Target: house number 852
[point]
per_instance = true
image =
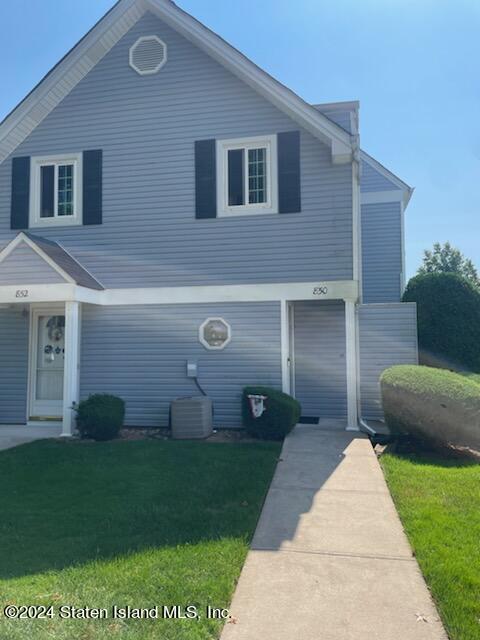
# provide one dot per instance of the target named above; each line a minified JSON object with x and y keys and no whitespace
{"x":21,"y":293}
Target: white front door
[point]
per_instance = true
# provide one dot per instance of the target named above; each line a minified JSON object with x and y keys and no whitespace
{"x":47,"y":357}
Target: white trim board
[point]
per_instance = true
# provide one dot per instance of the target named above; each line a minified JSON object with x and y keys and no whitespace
{"x":285,"y":345}
{"x":268,"y":292}
{"x":377,"y":197}
{"x":351,"y":341}
{"x":356,"y":225}
{"x":58,"y":83}
{"x":64,"y":76}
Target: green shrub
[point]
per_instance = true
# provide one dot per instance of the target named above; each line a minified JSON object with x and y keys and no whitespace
{"x":282,"y":412}
{"x":432,"y":404}
{"x":100,"y":416}
{"x":448,"y":311}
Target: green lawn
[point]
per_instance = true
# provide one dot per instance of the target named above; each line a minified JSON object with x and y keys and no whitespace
{"x":140,"y":523}
{"x":473,"y":376}
{"x":439,"y":503}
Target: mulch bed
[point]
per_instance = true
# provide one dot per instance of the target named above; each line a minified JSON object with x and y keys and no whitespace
{"x":407,"y":445}
{"x":219,"y":435}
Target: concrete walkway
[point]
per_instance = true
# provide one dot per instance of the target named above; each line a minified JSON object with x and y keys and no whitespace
{"x":12,"y":436}
{"x":329,"y":559}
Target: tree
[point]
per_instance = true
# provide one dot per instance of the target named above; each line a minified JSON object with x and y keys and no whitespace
{"x":448,"y":259}
{"x":448,"y":319}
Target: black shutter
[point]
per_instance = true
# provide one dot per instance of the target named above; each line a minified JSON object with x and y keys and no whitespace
{"x":92,"y":187}
{"x":289,"y":197}
{"x":205,"y":179}
{"x":20,"y":199}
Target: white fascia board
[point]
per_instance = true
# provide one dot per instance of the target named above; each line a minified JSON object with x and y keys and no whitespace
{"x":26,"y":293}
{"x":279,"y":95}
{"x":58,"y":82}
{"x":270,"y":292}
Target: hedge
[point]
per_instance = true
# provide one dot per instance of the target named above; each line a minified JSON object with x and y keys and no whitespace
{"x":432,"y":404}
{"x":448,"y":312}
{"x":100,"y":416}
{"x":282,"y":412}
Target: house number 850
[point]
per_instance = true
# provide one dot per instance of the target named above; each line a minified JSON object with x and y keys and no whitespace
{"x":320,"y":291}
{"x":21,"y":293}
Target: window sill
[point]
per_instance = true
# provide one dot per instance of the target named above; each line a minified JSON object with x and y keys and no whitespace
{"x":55,"y":222}
{"x":246,"y":211}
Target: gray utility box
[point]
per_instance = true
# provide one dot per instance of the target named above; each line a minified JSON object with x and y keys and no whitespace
{"x":191,"y":418}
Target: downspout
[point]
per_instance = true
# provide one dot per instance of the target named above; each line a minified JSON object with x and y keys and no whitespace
{"x":362,"y":423}
{"x":363,"y":426}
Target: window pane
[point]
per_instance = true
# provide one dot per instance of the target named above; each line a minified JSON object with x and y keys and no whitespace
{"x":65,"y":190}
{"x":235,"y":177}
{"x":47,"y":179}
{"x":257,"y":176}
{"x":215,"y":333}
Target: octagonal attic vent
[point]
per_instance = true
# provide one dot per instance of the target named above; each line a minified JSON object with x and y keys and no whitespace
{"x":148,"y":55}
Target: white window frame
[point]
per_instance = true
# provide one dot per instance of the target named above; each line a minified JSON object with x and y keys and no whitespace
{"x":222,"y":149}
{"x":206,"y":344}
{"x":56,"y":221}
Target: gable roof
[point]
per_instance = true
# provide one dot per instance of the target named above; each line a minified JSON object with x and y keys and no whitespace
{"x":400,"y":184}
{"x":109,"y":30}
{"x":56,"y":257}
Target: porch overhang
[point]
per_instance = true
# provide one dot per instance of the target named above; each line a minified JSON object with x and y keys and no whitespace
{"x":26,"y":294}
{"x":263,"y":292}
{"x":28,"y":263}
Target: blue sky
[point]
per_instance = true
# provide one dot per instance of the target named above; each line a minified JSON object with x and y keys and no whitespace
{"x":413,"y":64}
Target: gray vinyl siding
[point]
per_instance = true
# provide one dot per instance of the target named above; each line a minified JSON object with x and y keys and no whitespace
{"x":24,"y":266}
{"x":13,"y":365}
{"x":388,"y":336}
{"x":320,"y":363}
{"x":342,"y":118}
{"x":382,"y":252}
{"x":373,"y":180}
{"x":140,"y":353}
{"x":146,"y":127}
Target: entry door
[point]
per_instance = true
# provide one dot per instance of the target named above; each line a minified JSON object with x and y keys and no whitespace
{"x":47,"y":364}
{"x":319,"y":357}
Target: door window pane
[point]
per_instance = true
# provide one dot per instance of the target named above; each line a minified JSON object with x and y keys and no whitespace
{"x":50,"y":357}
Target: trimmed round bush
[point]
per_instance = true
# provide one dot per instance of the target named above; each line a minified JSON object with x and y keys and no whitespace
{"x":448,"y":312}
{"x":432,"y":404}
{"x":282,"y":412}
{"x":100,"y":416}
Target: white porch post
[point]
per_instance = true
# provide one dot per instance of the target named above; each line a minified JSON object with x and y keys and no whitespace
{"x":285,"y":346}
{"x":71,"y":380}
{"x":351,"y":357}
